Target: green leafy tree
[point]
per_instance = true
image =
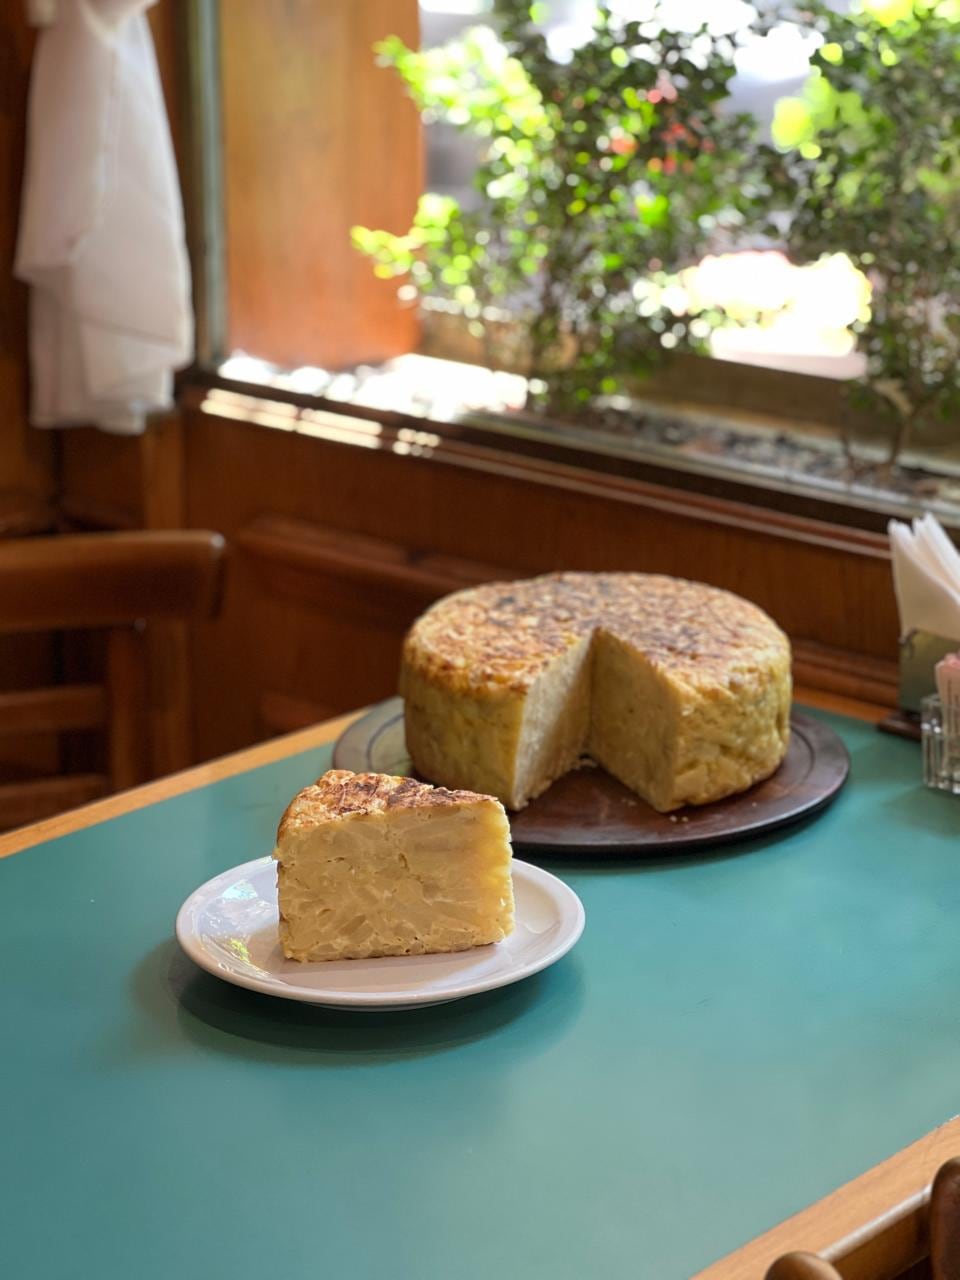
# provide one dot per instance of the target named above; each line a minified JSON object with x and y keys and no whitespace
{"x":874,"y":170}
{"x":600,"y":179}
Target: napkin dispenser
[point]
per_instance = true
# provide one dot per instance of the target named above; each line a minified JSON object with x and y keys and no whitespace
{"x":920,"y":651}
{"x":926,"y":580}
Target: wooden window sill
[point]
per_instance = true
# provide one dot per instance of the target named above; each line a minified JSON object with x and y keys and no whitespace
{"x":398,"y":431}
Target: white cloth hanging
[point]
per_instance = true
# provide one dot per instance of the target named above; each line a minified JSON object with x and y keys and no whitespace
{"x":101,"y":238}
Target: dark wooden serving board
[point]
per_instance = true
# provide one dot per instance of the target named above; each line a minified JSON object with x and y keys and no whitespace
{"x":589,"y":812}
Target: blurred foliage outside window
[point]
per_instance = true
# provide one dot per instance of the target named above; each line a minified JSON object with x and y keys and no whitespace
{"x":617,"y":191}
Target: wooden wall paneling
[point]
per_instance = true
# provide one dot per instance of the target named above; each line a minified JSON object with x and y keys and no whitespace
{"x":170,"y":691}
{"x":317,"y":138}
{"x":124,"y":482}
{"x":271,"y":657}
{"x":165,"y":17}
{"x":101,"y":479}
{"x":836,"y":589}
{"x":162,"y":498}
{"x":338,"y":588}
{"x":337,"y":548}
{"x":27,"y":662}
{"x":43,"y":797}
{"x":27,"y":456}
{"x":281,"y":713}
{"x":128,"y":751}
{"x":309,"y":553}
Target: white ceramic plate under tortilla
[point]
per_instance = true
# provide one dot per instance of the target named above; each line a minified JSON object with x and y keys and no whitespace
{"x":229,"y":927}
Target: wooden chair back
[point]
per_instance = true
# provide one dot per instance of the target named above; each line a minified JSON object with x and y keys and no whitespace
{"x":802,"y":1266}
{"x":876,"y":1253}
{"x":945,"y":1222}
{"x":136,"y":588}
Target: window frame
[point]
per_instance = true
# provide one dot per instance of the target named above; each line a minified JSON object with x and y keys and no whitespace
{"x":760,"y":395}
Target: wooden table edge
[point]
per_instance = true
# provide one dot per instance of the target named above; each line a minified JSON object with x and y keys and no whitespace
{"x":883,"y":1206}
{"x":175,"y":784}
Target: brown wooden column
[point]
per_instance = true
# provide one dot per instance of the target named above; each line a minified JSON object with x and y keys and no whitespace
{"x":318,"y":138}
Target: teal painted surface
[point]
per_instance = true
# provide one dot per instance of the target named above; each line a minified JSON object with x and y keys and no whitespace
{"x":732,"y":1038}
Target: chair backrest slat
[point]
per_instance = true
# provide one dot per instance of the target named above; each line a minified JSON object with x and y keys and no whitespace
{"x":103,"y":580}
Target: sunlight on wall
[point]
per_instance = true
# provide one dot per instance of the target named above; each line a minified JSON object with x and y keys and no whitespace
{"x":336,"y":427}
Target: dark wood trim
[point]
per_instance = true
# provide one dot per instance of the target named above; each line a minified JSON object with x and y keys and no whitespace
{"x":303,"y":561}
{"x":127,"y":747}
{"x":874,"y":680}
{"x":366,"y":561}
{"x":460,"y":446}
{"x":587,"y":470}
{"x":162,"y":464}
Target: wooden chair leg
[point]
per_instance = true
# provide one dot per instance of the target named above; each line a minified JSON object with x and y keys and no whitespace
{"x":802,"y":1266}
{"x":945,"y":1222}
{"x":171,"y":735}
{"x":126,"y":700}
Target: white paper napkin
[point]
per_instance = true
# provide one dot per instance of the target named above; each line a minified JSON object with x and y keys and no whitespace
{"x":926,"y":577}
{"x":101,"y":237}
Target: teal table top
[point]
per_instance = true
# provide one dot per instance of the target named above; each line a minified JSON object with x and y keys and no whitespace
{"x":733,"y":1037}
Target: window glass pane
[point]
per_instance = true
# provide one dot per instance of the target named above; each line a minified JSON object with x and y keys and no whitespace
{"x":605,"y":201}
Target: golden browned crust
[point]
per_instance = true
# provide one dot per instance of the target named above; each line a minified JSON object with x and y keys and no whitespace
{"x":341,"y":794}
{"x":500,"y":636}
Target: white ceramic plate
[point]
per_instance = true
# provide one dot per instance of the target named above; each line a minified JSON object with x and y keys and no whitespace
{"x":229,"y":927}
